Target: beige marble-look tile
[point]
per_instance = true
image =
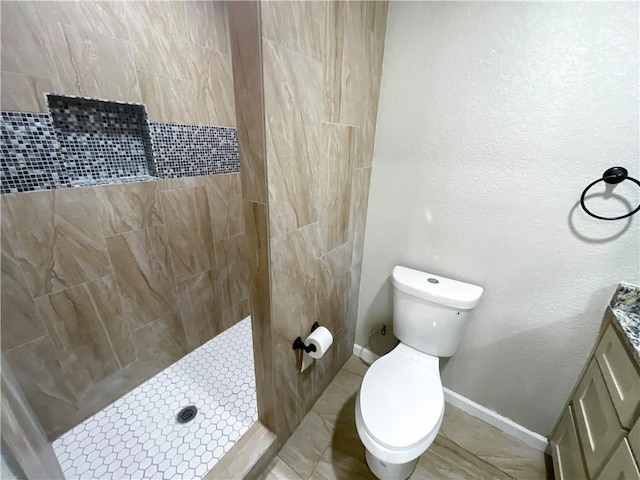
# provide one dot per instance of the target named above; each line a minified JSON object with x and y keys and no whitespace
{"x":212,"y":77}
{"x":306,"y":445}
{"x":24,"y":93}
{"x":21,"y":322}
{"x":188,"y":223}
{"x":43,"y":380}
{"x":255,"y":216}
{"x":353,"y":294}
{"x":356,"y":366}
{"x":293,"y":285}
{"x":285,"y":385}
{"x":277,"y":469}
{"x":25,"y":41}
{"x":295,"y":25}
{"x":93,"y":65}
{"x":182,"y":182}
{"x":492,"y":445}
{"x":224,"y":193}
{"x":244,"y":27}
{"x":159,"y":36}
{"x":168,"y":99}
{"x":199,"y":304}
{"x":88,"y":328}
{"x":128,"y":206}
{"x":335,"y":465}
{"x":336,"y":107}
{"x":143,"y":272}
{"x":162,"y":340}
{"x":331,"y":291}
{"x":56,"y":237}
{"x":336,"y":174}
{"x":446,"y":459}
{"x":207,"y":25}
{"x":231,"y":264}
{"x":103,"y":18}
{"x":358,"y":213}
{"x":293,"y":103}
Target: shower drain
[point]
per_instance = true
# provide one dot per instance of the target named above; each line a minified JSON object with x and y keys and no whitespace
{"x":187,"y":414}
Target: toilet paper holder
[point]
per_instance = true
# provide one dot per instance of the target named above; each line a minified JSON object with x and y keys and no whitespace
{"x":299,"y":344}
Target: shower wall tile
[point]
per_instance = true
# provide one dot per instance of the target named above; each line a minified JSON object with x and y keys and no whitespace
{"x":128,"y":207}
{"x":358,"y":213}
{"x":56,"y":238}
{"x":93,"y":65}
{"x":154,"y":52}
{"x":232,"y":270}
{"x":244,"y":27}
{"x":225,"y":205}
{"x":88,"y":328}
{"x":21,"y":322}
{"x":293,"y":284}
{"x":144,"y":274}
{"x":293,"y":100}
{"x":211,"y":74}
{"x":188,"y":224}
{"x":282,"y":23}
{"x":332,"y":288}
{"x":207,"y":25}
{"x":163,"y":339}
{"x":25,"y":41}
{"x":200,"y":308}
{"x":335,"y":184}
{"x":23,"y":92}
{"x":256,"y":225}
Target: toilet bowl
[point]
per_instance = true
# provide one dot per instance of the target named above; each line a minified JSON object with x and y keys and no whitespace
{"x":399,"y":410}
{"x":400,"y":405}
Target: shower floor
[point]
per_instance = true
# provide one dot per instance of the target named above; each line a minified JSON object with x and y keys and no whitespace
{"x":138,"y":436}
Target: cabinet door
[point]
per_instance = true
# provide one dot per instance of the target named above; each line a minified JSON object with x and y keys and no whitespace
{"x":596,"y":419}
{"x":620,"y":375}
{"x":634,"y":440}
{"x":565,"y":450}
{"x":621,"y":465}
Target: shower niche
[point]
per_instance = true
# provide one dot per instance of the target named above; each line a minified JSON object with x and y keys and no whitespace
{"x":102,"y":141}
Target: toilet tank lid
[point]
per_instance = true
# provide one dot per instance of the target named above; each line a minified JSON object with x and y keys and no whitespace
{"x":434,"y":288}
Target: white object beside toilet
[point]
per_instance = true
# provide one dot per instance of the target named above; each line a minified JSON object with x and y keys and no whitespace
{"x":400,"y":404}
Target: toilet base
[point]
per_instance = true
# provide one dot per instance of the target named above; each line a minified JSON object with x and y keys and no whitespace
{"x":390,"y":471}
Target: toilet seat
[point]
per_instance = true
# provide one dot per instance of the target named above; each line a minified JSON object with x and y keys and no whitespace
{"x":400,"y":404}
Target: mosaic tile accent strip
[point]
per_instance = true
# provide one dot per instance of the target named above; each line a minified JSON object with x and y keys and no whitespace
{"x":29,"y":153}
{"x":101,"y":140}
{"x":189,"y":150}
{"x":138,"y":435}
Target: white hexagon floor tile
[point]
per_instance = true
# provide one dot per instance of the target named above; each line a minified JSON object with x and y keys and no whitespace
{"x":138,"y":435}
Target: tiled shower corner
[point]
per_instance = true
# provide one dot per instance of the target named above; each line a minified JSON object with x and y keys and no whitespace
{"x":138,"y":436}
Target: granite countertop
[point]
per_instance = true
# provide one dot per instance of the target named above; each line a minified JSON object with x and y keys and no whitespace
{"x":625,"y":306}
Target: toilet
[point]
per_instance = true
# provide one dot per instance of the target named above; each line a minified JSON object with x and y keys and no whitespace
{"x":400,"y":404}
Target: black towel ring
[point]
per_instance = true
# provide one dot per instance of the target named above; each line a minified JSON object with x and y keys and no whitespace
{"x":611,"y":176}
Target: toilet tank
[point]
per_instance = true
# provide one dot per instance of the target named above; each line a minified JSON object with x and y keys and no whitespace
{"x":431,"y":313}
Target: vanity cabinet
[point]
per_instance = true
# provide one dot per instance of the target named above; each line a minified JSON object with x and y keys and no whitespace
{"x":598,"y":434}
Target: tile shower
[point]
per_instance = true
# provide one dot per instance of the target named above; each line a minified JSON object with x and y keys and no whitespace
{"x":123,"y":246}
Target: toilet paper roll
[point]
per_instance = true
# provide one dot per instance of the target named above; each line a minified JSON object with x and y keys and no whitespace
{"x":321,"y":337}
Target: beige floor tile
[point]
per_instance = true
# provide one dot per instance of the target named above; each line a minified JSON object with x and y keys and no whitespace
{"x":493,"y":445}
{"x":306,"y":445}
{"x":279,"y":470}
{"x":341,"y":390}
{"x":446,"y":459}
{"x":356,"y":366}
{"x":335,"y":465}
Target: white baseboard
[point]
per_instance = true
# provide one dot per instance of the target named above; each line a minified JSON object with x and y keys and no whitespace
{"x":505,"y":424}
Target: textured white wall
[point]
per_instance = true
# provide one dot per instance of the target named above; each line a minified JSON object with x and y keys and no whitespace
{"x":493,"y":118}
